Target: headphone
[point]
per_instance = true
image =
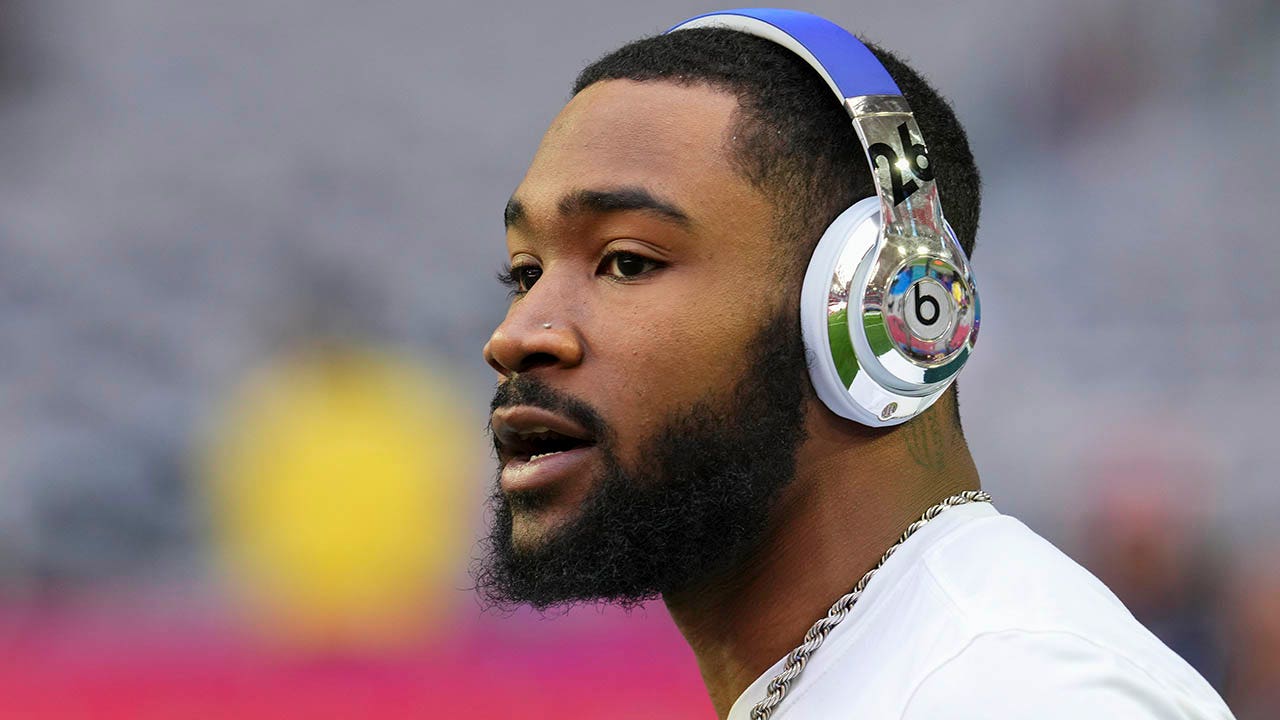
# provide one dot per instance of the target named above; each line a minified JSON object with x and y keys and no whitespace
{"x":889,"y":309}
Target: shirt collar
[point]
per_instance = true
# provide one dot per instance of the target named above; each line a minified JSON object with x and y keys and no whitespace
{"x":893,"y":570}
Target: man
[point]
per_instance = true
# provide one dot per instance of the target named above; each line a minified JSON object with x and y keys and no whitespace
{"x":657,"y":432}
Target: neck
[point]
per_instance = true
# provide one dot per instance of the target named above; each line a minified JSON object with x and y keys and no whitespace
{"x":854,"y":493}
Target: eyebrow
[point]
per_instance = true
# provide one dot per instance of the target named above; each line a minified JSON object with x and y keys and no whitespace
{"x":514,"y":214}
{"x":580,"y":202}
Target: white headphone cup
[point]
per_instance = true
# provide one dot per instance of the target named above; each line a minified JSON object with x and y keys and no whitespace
{"x":844,"y":246}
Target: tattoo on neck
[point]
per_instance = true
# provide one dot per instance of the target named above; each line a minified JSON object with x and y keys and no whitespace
{"x":927,"y":440}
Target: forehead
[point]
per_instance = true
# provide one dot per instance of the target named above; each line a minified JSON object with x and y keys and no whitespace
{"x":673,"y":141}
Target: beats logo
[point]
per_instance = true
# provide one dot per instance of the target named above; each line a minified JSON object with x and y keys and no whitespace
{"x":929,"y":309}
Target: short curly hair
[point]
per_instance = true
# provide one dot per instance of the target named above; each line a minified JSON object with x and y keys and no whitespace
{"x":800,"y":147}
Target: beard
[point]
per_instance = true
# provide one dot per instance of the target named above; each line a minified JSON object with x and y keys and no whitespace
{"x":694,"y":508}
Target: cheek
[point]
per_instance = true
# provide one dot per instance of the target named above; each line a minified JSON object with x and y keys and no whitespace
{"x":669,"y":346}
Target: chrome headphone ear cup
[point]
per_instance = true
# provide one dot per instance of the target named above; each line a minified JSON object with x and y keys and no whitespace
{"x":835,"y":336}
{"x":846,"y":244}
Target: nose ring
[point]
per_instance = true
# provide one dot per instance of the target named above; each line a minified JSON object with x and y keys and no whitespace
{"x":546,"y":326}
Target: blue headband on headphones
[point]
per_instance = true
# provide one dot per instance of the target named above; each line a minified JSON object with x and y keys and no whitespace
{"x":842,"y":60}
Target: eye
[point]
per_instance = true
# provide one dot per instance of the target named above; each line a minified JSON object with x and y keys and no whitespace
{"x":623,"y":265}
{"x":520,"y":278}
{"x":526,"y":276}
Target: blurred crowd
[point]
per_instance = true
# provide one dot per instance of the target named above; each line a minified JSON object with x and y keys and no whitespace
{"x":1145,"y":531}
{"x":236,"y":236}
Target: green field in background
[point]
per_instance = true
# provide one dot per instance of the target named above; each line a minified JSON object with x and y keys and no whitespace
{"x":842,"y":346}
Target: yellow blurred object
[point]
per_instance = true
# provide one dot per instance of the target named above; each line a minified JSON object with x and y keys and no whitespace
{"x":337,"y":486}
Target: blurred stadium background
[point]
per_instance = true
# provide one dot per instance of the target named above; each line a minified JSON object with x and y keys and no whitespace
{"x":246,"y":261}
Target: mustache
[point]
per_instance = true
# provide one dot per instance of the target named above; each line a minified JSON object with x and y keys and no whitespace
{"x":525,"y":390}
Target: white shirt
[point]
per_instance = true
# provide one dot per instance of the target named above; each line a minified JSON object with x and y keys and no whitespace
{"x":977,"y":617}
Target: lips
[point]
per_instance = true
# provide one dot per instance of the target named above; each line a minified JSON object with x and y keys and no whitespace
{"x":526,"y":434}
{"x":540,"y":450}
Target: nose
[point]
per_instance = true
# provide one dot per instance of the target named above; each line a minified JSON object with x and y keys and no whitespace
{"x":534,"y":334}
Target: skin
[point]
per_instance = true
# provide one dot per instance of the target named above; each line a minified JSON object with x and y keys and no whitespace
{"x":641,"y":348}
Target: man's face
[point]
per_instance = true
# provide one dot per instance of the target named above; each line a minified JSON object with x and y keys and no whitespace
{"x":648,"y":337}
